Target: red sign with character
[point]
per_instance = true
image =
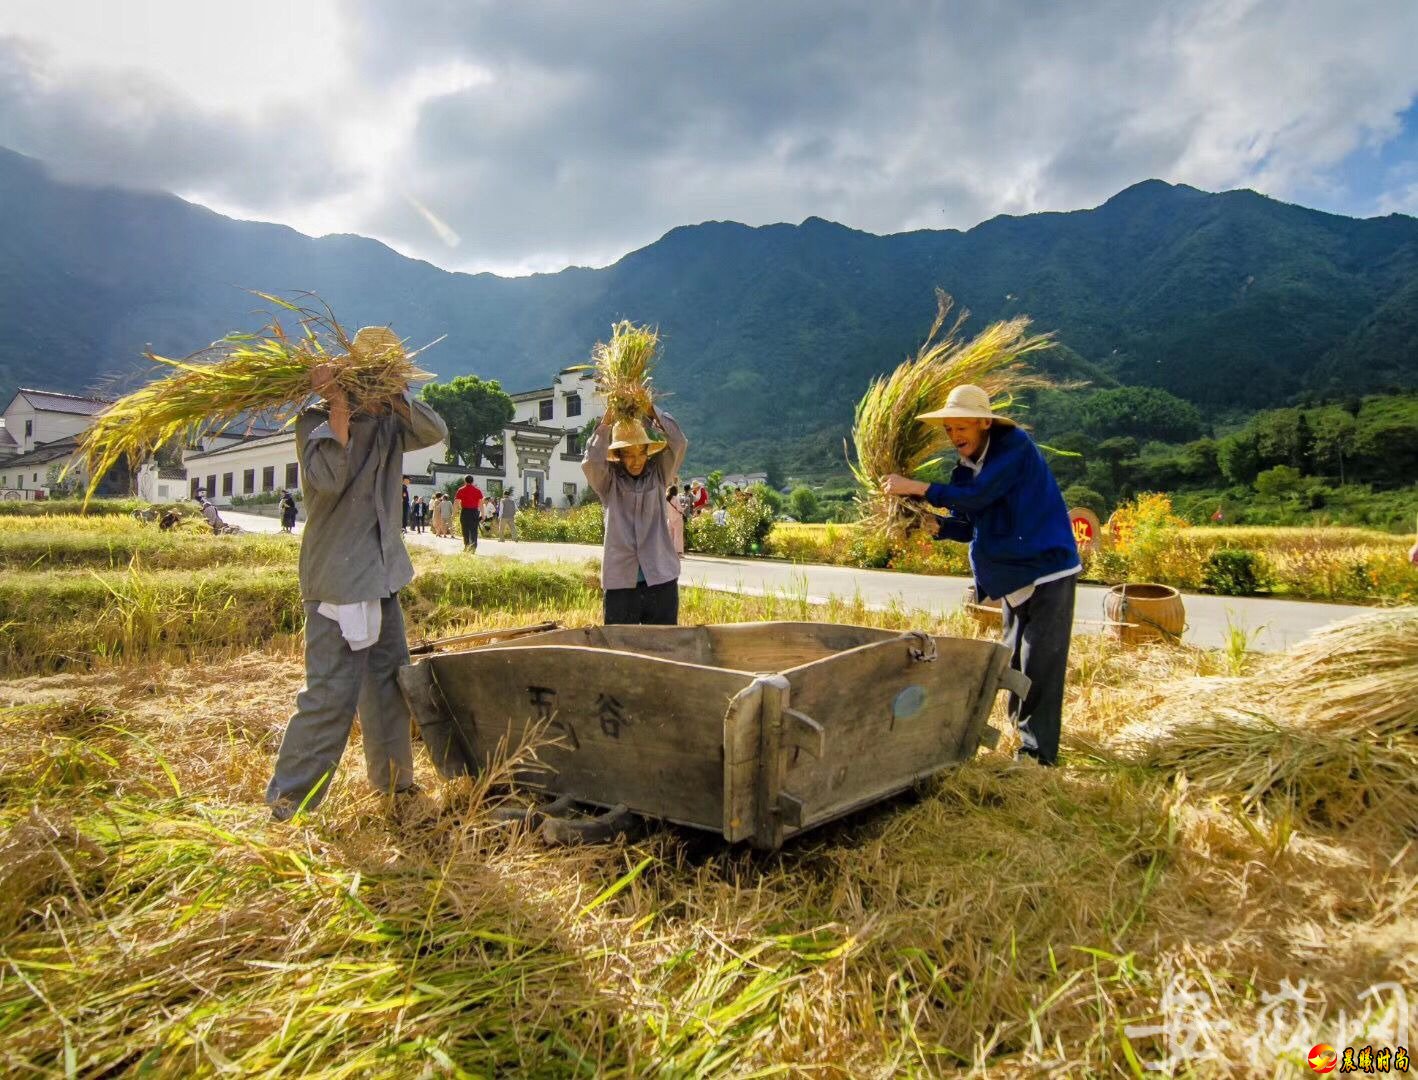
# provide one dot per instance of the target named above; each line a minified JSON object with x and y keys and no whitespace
{"x":1087,"y":530}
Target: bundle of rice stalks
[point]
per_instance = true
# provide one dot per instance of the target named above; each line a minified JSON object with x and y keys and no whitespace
{"x":889,"y":438}
{"x":622,"y":366}
{"x":246,"y":379}
{"x":1330,"y":728}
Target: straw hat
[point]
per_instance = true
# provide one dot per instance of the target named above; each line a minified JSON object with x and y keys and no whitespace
{"x":966,"y":402}
{"x":374,"y":341}
{"x":627,"y":433}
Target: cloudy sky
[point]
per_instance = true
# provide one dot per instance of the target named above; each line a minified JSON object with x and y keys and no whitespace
{"x":532,"y":134}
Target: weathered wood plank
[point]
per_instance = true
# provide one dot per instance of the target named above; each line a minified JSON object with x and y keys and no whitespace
{"x":742,"y":725}
{"x":777,"y":646}
{"x":887,"y":720}
{"x":768,"y":815}
{"x":688,"y":644}
{"x":633,"y":729}
{"x":451,"y":753}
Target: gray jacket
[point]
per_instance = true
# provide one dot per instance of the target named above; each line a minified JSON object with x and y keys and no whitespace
{"x":352,"y":549}
{"x":637,"y":535}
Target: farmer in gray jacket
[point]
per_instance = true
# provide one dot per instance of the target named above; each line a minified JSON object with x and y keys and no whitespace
{"x":352,"y":566}
{"x":630,"y":472}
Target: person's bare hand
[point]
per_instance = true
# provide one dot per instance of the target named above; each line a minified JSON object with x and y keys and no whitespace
{"x":896,"y":484}
{"x":321,"y":376}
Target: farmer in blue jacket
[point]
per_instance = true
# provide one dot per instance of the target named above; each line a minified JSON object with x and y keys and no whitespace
{"x":1005,"y":502}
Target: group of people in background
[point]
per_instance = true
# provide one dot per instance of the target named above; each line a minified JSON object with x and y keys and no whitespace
{"x":473,"y":510}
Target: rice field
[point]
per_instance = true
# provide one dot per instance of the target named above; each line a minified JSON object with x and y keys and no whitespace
{"x":1218,"y":878}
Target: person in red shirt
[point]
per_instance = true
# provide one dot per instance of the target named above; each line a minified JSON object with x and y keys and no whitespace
{"x":470,"y":503}
{"x":701,"y":499}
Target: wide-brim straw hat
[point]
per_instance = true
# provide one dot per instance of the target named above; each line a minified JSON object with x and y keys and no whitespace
{"x":627,"y":433}
{"x":375,"y":341}
{"x":966,"y":402}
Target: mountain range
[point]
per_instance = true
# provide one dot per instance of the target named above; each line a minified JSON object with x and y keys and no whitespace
{"x":1233,"y":301}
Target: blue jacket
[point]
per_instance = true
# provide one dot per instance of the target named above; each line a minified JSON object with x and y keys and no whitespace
{"x":1013,"y":515}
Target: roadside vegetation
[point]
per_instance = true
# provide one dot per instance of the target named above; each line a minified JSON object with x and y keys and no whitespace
{"x":1157,"y":544}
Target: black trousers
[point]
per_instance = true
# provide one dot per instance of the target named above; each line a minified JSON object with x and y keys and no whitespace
{"x":469,"y":520}
{"x":644,"y":605}
{"x":1038,"y":632}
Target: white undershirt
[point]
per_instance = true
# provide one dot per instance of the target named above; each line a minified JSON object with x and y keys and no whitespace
{"x":360,"y":622}
{"x":1020,"y":595}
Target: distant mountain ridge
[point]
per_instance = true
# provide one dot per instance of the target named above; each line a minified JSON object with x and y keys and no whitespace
{"x":1229,"y":300}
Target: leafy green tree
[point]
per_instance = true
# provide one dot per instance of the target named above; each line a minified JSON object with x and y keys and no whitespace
{"x":1239,"y":456}
{"x":1080,"y":495}
{"x":772,"y":496}
{"x":774,"y":468}
{"x":803,"y":503}
{"x":1198,"y":461}
{"x":1144,"y":412}
{"x":1115,"y":452}
{"x":1302,"y":453}
{"x":475,"y":411}
{"x":1333,"y":435}
{"x":1099,"y":476}
{"x":1070,"y":460}
{"x":1282,"y":437}
{"x":1278,"y":482}
{"x":1387,"y":450}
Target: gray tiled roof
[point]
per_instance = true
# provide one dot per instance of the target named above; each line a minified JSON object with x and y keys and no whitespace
{"x":52,"y":401}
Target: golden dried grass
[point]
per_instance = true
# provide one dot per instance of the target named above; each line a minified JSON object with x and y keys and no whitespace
{"x":1330,"y":729}
{"x":623,"y":367}
{"x":887,"y":434}
{"x":1004,"y":922}
{"x":246,"y":379}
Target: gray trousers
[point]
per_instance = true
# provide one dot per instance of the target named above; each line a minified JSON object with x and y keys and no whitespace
{"x":1038,"y":633}
{"x":338,"y":681}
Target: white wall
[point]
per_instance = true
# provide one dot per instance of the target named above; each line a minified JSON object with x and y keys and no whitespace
{"x":45,"y":426}
{"x":278,"y":452}
{"x":577,"y":383}
{"x":559,"y":472}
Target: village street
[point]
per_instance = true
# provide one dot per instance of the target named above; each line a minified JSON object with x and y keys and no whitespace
{"x":1273,"y":624}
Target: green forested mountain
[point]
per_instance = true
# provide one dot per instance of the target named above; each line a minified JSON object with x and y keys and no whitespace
{"x":1231,"y":301}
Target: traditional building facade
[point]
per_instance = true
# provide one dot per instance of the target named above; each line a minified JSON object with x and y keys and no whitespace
{"x":39,"y":434}
{"x":540,"y":455}
{"x":542,"y":447}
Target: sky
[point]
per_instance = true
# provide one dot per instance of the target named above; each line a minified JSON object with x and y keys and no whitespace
{"x":529,"y":135}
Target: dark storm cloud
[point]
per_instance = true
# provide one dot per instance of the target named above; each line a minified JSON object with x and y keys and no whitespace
{"x":600,"y":128}
{"x":549,"y":131}
{"x":129,"y":128}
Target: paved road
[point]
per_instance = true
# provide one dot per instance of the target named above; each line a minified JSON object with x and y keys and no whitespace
{"x":1274,"y":624}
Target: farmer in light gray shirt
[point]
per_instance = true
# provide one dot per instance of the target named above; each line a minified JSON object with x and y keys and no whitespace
{"x":352,"y":566}
{"x":631,"y":472}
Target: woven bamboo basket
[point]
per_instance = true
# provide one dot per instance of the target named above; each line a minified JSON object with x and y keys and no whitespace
{"x":1140,"y":613}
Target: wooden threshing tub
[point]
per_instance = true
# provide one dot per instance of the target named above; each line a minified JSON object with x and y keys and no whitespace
{"x":756,"y":731}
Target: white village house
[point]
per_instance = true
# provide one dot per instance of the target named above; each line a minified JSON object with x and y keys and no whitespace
{"x":38,"y":435}
{"x":540,"y":456}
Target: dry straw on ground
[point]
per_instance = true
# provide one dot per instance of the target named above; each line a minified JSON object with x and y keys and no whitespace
{"x":1002,"y":922}
{"x":623,"y":369}
{"x":245,"y":379}
{"x":888,"y":436}
{"x":1329,"y":730}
